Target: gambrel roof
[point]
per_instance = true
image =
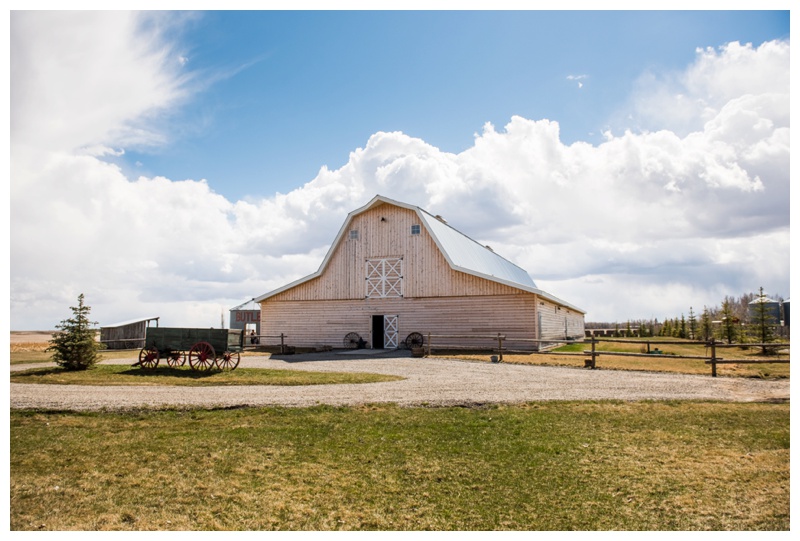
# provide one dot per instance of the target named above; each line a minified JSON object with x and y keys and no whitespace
{"x":461,"y":252}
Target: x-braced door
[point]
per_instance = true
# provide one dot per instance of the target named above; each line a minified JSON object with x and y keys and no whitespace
{"x":390,"y":332}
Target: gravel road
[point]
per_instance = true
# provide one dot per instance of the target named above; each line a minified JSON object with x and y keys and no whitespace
{"x":429,"y":381}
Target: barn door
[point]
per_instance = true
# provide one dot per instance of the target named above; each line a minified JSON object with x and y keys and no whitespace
{"x":390,"y":332}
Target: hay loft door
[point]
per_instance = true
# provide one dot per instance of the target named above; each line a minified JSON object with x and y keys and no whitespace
{"x":384,"y":332}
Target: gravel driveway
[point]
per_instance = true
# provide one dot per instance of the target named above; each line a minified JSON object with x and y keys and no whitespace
{"x":429,"y":381}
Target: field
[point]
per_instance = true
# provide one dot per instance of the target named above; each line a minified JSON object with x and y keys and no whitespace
{"x":539,"y":466}
{"x":548,"y":466}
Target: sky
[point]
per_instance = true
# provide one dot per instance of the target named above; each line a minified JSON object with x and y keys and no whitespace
{"x":177,"y":164}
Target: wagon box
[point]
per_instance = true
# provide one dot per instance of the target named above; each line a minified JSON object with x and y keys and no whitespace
{"x":203,"y":348}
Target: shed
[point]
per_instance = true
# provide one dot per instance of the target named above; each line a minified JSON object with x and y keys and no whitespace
{"x":394,"y":269}
{"x":126,"y":335}
{"x":246,"y":316}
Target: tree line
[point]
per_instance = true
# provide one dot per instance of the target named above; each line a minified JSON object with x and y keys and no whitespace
{"x":732,"y":321}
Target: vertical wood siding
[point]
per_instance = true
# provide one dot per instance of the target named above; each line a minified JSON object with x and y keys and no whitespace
{"x":426,"y":273}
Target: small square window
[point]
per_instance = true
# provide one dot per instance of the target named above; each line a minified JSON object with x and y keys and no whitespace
{"x":415,"y":229}
{"x":354,"y":234}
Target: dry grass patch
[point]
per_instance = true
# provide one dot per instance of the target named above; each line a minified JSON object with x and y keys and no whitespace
{"x":665,"y":362}
{"x":549,"y":466}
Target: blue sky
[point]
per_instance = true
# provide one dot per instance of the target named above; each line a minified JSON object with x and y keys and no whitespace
{"x":294,"y":91}
{"x":177,"y":164}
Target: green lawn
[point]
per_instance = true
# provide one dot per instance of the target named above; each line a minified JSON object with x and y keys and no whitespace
{"x":543,"y":466}
{"x":120,"y":374}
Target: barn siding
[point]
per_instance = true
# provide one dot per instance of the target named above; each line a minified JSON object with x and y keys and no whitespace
{"x":314,"y":323}
{"x":426,"y":272}
{"x":559,"y":322}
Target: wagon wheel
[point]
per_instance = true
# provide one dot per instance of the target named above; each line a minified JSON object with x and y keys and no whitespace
{"x":148,"y":358}
{"x":175,"y":359}
{"x":351,"y":340}
{"x":202,"y":356}
{"x":228,"y":361}
{"x":414,"y":340}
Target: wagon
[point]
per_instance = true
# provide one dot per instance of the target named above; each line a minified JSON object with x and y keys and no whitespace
{"x":203,"y":348}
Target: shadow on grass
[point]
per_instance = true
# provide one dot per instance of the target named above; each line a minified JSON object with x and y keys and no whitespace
{"x":166,"y":371}
{"x":159,"y":372}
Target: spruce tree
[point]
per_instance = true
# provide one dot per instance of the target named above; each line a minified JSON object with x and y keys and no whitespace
{"x":705,"y":325}
{"x":762,"y":322}
{"x":692,"y":324}
{"x":75,"y":348}
{"x":728,"y":325}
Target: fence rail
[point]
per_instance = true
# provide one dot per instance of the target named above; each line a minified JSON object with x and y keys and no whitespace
{"x":713,"y":360}
{"x":590,"y":356}
{"x":498,"y":343}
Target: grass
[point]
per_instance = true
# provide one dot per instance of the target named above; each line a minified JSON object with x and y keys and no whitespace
{"x":116,"y":374}
{"x":661,"y":363}
{"x":546,"y":466}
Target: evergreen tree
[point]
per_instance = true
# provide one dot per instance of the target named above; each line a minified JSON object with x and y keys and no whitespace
{"x":763,"y":323}
{"x":682,"y":328}
{"x":706,"y":328}
{"x":75,"y":348}
{"x":728,"y":324}
{"x":692,"y":324}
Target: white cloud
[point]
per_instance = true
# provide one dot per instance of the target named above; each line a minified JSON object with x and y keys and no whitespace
{"x":642,"y":224}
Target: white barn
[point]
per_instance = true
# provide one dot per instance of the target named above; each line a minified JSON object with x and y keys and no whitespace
{"x":395,"y":269}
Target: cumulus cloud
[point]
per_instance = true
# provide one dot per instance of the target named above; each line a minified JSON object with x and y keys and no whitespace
{"x":641,"y":225}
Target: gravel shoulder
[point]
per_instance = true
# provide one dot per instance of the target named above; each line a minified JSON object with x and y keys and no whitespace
{"x":428,"y":382}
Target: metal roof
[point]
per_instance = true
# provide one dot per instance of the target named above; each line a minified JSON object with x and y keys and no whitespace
{"x":467,"y":255}
{"x":132,"y":321}
{"x":246,"y":306}
{"x":461,"y":252}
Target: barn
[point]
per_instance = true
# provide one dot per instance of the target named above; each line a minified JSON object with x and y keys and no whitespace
{"x":395,"y":269}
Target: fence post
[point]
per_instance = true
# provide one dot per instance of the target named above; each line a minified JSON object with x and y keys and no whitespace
{"x":648,"y":346}
{"x":500,"y":346}
{"x":594,"y":355}
{"x":429,"y":344}
{"x":282,"y":350}
{"x":714,"y":357}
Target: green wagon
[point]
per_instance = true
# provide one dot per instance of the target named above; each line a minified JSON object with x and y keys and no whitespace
{"x":203,"y":348}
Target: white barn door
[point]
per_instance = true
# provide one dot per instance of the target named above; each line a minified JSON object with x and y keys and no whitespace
{"x":384,"y":278}
{"x":390,"y":332}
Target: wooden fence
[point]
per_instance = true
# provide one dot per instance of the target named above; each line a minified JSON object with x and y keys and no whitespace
{"x":498,"y":343}
{"x":713,"y":360}
{"x":590,"y":356}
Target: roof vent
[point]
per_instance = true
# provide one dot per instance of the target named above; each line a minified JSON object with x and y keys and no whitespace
{"x":439,"y":217}
{"x":489,"y":248}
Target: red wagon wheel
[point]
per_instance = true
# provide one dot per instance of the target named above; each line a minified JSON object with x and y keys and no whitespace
{"x":202,"y":356}
{"x":175,"y":359}
{"x":148,"y":358}
{"x":228,"y":361}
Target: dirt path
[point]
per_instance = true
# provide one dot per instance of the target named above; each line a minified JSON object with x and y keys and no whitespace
{"x":435,"y":382}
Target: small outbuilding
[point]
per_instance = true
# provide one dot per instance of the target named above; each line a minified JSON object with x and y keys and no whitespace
{"x":247,"y":316}
{"x":395,"y":269}
{"x":126,"y":335}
